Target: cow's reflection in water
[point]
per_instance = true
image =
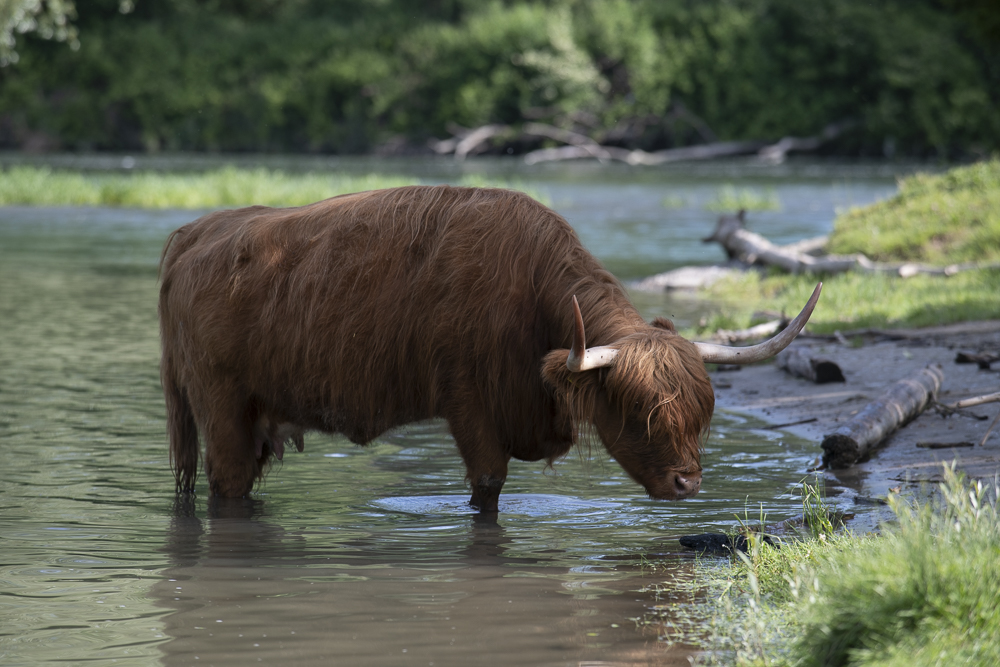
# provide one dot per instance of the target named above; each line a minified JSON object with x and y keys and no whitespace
{"x":243,"y":588}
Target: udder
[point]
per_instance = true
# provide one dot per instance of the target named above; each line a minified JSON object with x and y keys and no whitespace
{"x":274,"y":435}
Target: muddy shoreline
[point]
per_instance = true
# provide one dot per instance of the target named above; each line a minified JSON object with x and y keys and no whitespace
{"x":771,"y":394}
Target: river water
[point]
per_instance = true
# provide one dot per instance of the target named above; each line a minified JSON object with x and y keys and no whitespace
{"x":349,"y":555}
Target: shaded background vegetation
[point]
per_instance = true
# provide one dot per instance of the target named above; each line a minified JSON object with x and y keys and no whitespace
{"x":911,"y":77}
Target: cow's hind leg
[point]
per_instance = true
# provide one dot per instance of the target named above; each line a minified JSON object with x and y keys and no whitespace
{"x":181,"y":429}
{"x":231,"y":463}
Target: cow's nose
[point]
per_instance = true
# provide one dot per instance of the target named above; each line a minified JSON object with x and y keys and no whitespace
{"x":687,"y":485}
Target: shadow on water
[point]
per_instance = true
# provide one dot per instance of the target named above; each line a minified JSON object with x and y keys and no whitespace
{"x":240,"y":588}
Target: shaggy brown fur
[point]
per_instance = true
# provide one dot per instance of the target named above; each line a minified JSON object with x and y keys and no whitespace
{"x":371,"y":310}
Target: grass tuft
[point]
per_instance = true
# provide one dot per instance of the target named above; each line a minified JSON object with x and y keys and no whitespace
{"x":228,"y":187}
{"x":922,"y":593}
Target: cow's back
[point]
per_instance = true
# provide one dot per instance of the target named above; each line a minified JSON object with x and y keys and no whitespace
{"x":370,"y":310}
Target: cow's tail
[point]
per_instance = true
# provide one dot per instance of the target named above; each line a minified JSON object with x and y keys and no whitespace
{"x":181,"y":429}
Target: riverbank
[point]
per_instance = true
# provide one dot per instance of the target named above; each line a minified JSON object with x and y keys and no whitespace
{"x":921,"y":593}
{"x":901,"y":582}
{"x":913,"y":595}
{"x":870,"y":366}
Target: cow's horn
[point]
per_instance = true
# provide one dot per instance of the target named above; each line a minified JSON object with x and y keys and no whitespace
{"x":723,"y":354}
{"x":580,"y":358}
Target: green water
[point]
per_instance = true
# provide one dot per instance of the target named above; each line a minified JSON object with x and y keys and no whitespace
{"x":346,"y":555}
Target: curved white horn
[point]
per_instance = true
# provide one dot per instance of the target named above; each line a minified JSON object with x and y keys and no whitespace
{"x":580,"y":358}
{"x":723,"y":354}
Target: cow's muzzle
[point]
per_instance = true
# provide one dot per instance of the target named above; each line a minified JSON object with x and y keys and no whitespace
{"x":677,"y":486}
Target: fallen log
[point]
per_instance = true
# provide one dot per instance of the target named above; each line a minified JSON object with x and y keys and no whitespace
{"x":814,"y":246}
{"x":881,"y":418}
{"x":577,"y":152}
{"x":699,"y":152}
{"x":477,"y":137}
{"x":815,"y":369}
{"x":559,"y":134}
{"x":776,"y":153}
{"x":750,"y":248}
{"x":466,"y":141}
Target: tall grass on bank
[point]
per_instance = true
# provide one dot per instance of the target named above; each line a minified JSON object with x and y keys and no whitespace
{"x":943,"y":219}
{"x":227,"y":187}
{"x":222,"y":188}
{"x":922,"y":593}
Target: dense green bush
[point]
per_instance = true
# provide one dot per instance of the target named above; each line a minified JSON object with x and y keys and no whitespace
{"x":919,"y":77}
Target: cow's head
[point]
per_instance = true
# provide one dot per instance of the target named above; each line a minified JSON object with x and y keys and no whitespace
{"x":649,"y":398}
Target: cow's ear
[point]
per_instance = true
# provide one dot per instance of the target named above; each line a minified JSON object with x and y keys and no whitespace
{"x":576,"y":391}
{"x":664,"y":323}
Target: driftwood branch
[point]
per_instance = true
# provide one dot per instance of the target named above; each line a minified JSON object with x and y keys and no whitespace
{"x":640,"y":157}
{"x":777,"y":152}
{"x":579,"y":146}
{"x":750,"y":248}
{"x":476,"y":138}
{"x":993,"y":424}
{"x":975,"y":400}
{"x":879,"y":419}
{"x":577,"y":152}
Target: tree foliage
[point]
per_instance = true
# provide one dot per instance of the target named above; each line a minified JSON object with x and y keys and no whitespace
{"x":918,"y":77}
{"x":49,"y":19}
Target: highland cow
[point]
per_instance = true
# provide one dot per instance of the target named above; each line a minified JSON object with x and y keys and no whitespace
{"x":367,"y":311}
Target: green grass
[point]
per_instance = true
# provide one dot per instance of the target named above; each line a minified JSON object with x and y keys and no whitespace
{"x":939,"y":219}
{"x":858,"y":300}
{"x":921,"y":593}
{"x":222,"y":188}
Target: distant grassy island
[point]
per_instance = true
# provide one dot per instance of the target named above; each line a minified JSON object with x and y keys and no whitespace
{"x":228,"y":187}
{"x":221,"y":188}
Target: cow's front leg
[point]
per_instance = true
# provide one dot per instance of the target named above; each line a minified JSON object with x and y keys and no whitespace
{"x":486,"y":492}
{"x":485,"y":459}
{"x":230,"y":461}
